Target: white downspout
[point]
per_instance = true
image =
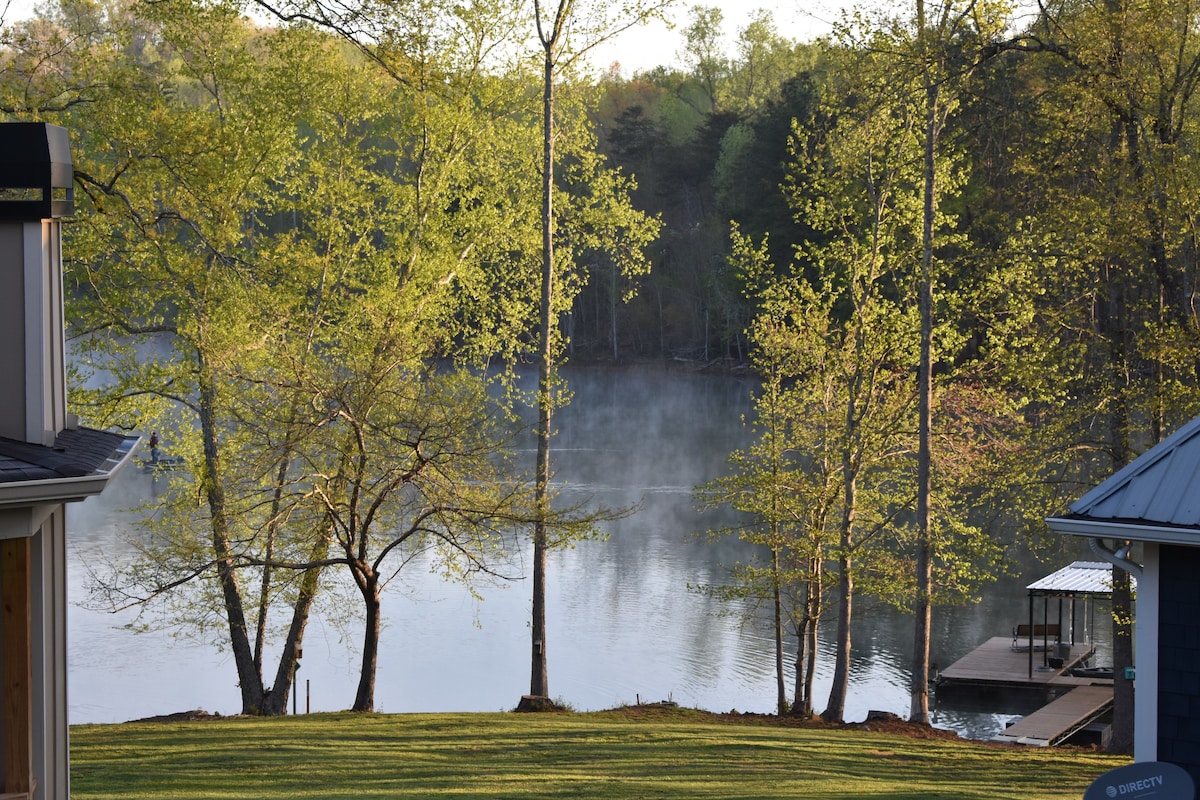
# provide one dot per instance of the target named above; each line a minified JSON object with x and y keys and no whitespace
{"x":1119,"y":557}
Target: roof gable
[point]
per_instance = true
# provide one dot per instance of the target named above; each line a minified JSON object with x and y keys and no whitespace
{"x":1156,"y":497}
{"x":1160,"y":487}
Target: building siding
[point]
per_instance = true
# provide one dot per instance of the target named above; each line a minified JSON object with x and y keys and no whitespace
{"x":1179,"y":659}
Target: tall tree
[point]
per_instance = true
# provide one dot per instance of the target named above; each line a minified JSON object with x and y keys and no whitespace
{"x":410,"y":469}
{"x":703,"y":54}
{"x":404,"y":457}
{"x":565,"y":30}
{"x":171,"y":183}
{"x":764,"y":61}
{"x":1120,"y":83}
{"x":948,"y":40}
{"x":853,"y":181}
{"x":245,"y":207}
{"x":786,"y":482}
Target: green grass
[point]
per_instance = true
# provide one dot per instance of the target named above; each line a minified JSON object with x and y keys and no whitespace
{"x":615,"y":754}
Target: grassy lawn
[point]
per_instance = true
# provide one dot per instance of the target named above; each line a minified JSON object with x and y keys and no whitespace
{"x":615,"y":754}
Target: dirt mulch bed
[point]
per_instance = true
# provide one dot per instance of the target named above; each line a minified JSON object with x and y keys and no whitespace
{"x":876,"y":722}
{"x":180,"y":716}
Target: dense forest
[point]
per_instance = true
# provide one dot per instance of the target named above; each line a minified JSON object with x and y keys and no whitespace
{"x":959,"y":248}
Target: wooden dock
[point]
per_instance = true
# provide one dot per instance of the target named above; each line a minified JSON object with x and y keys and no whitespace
{"x":1060,"y":719}
{"x":1074,"y":703}
{"x":996,"y":664}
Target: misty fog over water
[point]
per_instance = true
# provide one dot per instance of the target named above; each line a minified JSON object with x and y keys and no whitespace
{"x":623,"y":624}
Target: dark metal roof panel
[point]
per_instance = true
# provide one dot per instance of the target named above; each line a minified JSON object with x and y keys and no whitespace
{"x":1161,"y":487}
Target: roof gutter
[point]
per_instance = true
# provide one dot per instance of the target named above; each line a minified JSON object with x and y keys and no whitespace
{"x":68,"y":490}
{"x":1097,"y":531}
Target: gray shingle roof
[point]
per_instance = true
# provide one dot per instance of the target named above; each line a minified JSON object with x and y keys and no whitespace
{"x":76,"y":452}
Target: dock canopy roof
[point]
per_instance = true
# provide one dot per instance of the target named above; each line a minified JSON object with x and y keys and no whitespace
{"x":1079,"y":579}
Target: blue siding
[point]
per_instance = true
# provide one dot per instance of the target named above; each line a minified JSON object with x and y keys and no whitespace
{"x":1179,"y":658}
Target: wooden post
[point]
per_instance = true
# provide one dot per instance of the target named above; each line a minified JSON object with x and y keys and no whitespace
{"x":16,"y":662}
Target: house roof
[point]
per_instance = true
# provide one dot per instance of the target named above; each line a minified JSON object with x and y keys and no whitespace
{"x":77,"y":465}
{"x":1154,"y":498}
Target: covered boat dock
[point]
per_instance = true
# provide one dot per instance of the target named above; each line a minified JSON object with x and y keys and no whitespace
{"x":1046,"y":647}
{"x":1075,"y":587}
{"x":1048,"y":651}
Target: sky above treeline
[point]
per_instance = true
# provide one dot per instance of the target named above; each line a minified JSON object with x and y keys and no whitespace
{"x":657,"y":44}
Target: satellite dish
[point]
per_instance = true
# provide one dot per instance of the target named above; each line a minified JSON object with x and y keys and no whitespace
{"x":1144,"y":780}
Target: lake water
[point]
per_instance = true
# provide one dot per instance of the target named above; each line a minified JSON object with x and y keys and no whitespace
{"x":623,"y":624}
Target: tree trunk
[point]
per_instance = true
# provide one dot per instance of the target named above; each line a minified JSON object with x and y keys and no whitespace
{"x":276,"y":701}
{"x":249,"y":679}
{"x":814,"y":609}
{"x":264,"y":586}
{"x":539,"y":680}
{"x":612,"y":321}
{"x":539,"y":674}
{"x":810,"y":667}
{"x":835,"y":709}
{"x":1122,"y":638}
{"x":1115,"y":324}
{"x":364,"y":699}
{"x":801,"y":706}
{"x":806,"y":646}
{"x":781,"y":701}
{"x":922,"y":608}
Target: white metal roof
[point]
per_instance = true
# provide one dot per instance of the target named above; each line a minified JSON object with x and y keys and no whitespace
{"x":1154,"y":498}
{"x":1078,"y":578}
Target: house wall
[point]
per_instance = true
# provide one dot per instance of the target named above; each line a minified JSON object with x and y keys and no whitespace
{"x":33,"y":397}
{"x":13,"y":401}
{"x":49,"y":658}
{"x":1179,"y":657}
{"x":33,"y":658}
{"x":16,"y":715}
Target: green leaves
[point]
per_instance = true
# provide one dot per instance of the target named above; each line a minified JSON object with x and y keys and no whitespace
{"x":297,"y":252}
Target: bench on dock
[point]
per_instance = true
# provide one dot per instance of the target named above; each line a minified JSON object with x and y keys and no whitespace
{"x":1050,"y":632}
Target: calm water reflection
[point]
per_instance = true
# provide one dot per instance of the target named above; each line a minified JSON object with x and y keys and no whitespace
{"x":623,"y":624}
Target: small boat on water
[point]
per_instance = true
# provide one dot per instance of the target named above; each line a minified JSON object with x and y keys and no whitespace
{"x":161,"y":463}
{"x":1092,"y":672}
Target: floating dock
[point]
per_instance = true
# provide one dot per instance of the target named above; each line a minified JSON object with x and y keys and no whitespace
{"x":1074,"y":702}
{"x":1062,"y":718}
{"x":997,"y":664}
{"x":1040,"y":657}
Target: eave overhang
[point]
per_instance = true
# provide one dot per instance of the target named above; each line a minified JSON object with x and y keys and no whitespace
{"x":1135,"y":530}
{"x":72,"y":488}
